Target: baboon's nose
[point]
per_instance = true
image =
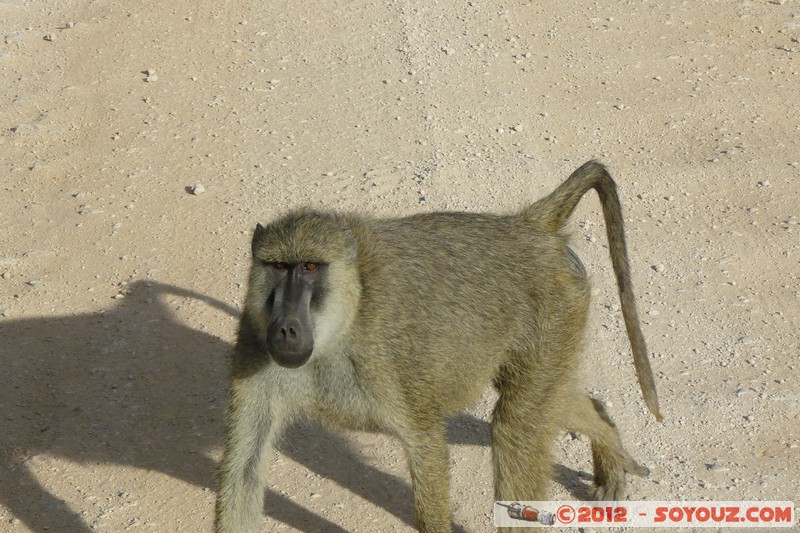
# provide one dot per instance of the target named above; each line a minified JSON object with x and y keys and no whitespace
{"x":290,"y":332}
{"x":289,"y":341}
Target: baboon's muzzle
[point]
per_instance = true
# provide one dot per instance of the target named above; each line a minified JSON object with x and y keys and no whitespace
{"x":289,"y":341}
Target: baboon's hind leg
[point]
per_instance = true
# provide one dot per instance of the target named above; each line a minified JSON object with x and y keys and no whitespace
{"x":523,"y":428}
{"x":428,"y":460}
{"x":610,"y":460}
{"x":522,"y":433}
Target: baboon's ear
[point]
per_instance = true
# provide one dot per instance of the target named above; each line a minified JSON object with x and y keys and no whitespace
{"x":259,"y":235}
{"x":352,"y":246}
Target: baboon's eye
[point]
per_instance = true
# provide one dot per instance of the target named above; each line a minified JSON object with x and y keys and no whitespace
{"x":310,"y":266}
{"x":280,"y":265}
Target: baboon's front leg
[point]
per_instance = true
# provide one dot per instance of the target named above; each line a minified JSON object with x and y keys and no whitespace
{"x":252,"y":427}
{"x":429,"y":462}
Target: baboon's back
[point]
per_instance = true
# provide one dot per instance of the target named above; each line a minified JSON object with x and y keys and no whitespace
{"x":473,"y":285}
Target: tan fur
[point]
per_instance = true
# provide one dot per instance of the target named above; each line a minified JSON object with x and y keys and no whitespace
{"x":419,"y":314}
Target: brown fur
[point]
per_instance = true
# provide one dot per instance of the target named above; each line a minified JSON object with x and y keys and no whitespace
{"x":418,"y":315}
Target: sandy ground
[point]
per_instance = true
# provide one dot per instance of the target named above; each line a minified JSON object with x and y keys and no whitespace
{"x":119,"y":288}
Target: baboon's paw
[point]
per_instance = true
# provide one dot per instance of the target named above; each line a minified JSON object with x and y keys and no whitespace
{"x":613,"y":487}
{"x":611,"y":491}
{"x":636,"y":469}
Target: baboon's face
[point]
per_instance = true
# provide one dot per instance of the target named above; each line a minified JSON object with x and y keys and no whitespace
{"x":296,"y":288}
{"x":303,"y":286}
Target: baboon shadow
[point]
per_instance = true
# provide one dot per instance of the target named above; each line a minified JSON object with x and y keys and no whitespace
{"x":131,"y":385}
{"x":134,"y":386}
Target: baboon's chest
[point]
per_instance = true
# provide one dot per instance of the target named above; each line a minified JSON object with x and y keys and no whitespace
{"x":341,"y":401}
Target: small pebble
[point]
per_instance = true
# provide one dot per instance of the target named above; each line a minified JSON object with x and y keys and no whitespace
{"x":198,"y":189}
{"x":659,"y":267}
{"x":49,"y":37}
{"x":716,"y":467}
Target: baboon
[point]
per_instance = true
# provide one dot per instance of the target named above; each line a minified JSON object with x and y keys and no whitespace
{"x":394,"y":324}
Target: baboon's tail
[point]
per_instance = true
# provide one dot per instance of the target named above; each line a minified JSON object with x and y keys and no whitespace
{"x":554,"y":210}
